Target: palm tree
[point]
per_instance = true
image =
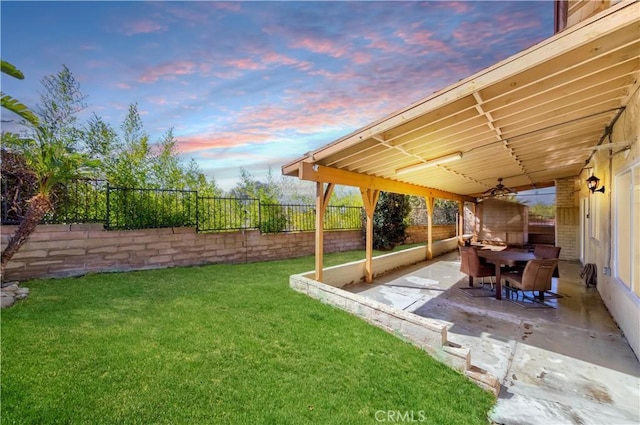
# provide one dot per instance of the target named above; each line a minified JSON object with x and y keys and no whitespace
{"x":12,"y":104}
{"x":50,"y":155}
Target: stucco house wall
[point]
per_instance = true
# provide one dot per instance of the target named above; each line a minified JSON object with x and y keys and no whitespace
{"x":598,"y":212}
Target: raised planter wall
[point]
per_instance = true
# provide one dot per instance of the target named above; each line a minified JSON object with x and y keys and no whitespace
{"x":344,"y":274}
{"x":72,"y":250}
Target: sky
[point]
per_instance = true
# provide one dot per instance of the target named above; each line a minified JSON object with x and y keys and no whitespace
{"x":255,"y":85}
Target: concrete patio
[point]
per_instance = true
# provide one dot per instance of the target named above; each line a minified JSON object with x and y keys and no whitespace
{"x":570,"y":364}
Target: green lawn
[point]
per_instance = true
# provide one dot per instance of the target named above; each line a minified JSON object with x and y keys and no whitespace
{"x":220,"y":344}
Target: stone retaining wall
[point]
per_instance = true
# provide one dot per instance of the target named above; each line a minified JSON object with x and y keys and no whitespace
{"x":72,"y":250}
{"x":59,"y":250}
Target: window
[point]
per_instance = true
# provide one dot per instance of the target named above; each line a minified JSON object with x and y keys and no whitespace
{"x":627,"y":227}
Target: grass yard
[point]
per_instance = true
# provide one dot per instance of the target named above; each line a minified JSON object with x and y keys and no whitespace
{"x":220,"y":344}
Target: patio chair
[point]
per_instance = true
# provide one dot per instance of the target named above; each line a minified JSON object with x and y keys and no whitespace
{"x":541,"y":251}
{"x":471,"y":265}
{"x":548,"y":252}
{"x":536,"y":276}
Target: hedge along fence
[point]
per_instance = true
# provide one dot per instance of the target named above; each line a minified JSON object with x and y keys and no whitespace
{"x":137,"y":208}
{"x":121,"y":208}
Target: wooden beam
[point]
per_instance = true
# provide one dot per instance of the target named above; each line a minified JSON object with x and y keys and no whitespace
{"x":320,"y":173}
{"x":460,"y":222}
{"x":474,"y":210}
{"x":370,"y":199}
{"x":322,"y":200}
{"x":430,"y":201}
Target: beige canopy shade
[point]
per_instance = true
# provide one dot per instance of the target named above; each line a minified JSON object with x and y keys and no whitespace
{"x":530,"y":119}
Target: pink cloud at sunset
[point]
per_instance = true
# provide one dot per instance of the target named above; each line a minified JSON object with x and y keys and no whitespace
{"x":145,"y":26}
{"x":245,"y":64}
{"x":205,"y":142}
{"x":260,"y":82}
{"x":168,"y":70}
{"x":425,"y":39}
{"x":458,"y":7}
{"x":280,"y":59}
{"x":123,"y":86}
{"x":325,"y":47}
{"x":478,"y":34}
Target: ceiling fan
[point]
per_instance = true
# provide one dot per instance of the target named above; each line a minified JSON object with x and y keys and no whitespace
{"x":498,"y":191}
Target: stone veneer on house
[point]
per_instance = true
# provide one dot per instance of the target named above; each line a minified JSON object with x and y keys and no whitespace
{"x":567,"y":218}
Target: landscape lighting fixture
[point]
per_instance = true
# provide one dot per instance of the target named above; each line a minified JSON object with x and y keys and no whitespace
{"x":592,"y":184}
{"x":429,"y":163}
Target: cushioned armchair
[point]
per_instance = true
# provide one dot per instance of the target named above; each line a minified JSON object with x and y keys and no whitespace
{"x":471,"y":265}
{"x":536,"y":276}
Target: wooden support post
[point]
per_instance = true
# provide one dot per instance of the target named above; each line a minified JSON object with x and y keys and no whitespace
{"x":430,"y":201}
{"x":322,"y":200}
{"x":474,"y":211}
{"x":370,"y":199}
{"x":460,"y":229}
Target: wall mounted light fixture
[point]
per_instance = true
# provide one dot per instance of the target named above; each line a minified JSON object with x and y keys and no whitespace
{"x":430,"y":163}
{"x":592,"y":184}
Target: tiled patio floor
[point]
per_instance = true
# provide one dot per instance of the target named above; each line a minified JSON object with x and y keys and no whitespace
{"x":570,"y":364}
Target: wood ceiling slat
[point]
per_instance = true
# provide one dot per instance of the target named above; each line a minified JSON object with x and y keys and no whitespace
{"x":625,"y":71}
{"x":468,"y":118}
{"x":353,"y":150}
{"x":380,"y":165}
{"x":583,"y":138}
{"x":557,"y":118}
{"x":432,"y":118}
{"x":584,"y":53}
{"x":567,"y":95}
{"x":563,"y":105}
{"x":571,"y":130}
{"x":463,"y":141}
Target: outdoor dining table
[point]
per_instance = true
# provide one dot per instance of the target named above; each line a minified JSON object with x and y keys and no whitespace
{"x":504,"y":258}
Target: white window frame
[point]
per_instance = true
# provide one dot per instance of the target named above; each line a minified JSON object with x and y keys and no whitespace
{"x":627,"y":196}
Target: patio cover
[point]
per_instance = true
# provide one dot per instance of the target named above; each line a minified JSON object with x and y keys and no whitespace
{"x":529,"y":119}
{"x":533,"y":118}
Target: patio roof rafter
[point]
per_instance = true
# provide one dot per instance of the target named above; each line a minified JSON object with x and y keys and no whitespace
{"x":530,"y":119}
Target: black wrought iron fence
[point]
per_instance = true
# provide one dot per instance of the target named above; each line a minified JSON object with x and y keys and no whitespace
{"x":119,"y":208}
{"x":299,"y":218}
{"x":128,"y":208}
{"x":95,"y":201}
{"x":80,"y":201}
{"x":76,"y":201}
{"x":222,"y":214}
{"x":342,"y":218}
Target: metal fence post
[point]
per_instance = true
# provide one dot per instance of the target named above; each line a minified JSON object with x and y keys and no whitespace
{"x":107,"y":218}
{"x":197,"y":212}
